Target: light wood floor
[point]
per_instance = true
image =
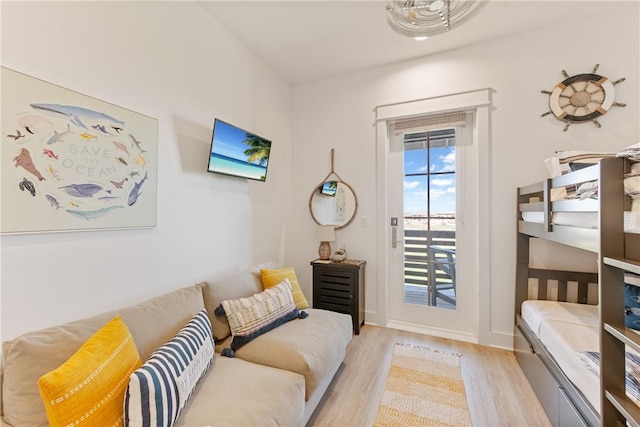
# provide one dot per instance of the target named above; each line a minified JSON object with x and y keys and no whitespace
{"x":497,"y":391}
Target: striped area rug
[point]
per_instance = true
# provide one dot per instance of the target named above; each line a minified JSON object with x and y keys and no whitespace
{"x":424,"y":388}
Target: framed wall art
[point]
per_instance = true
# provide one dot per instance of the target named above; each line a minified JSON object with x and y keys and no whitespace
{"x":73,"y":162}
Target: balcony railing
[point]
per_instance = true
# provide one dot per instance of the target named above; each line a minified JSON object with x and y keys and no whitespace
{"x":429,"y":268}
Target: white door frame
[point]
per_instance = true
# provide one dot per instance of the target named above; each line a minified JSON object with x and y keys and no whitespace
{"x":480,"y":102}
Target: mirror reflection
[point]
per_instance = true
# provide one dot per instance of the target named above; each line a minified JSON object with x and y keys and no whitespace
{"x":333,"y":203}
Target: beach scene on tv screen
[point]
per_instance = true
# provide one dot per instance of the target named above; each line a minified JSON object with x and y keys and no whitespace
{"x":240,"y":153}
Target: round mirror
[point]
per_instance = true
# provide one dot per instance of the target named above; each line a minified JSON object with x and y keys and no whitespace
{"x":333,"y":203}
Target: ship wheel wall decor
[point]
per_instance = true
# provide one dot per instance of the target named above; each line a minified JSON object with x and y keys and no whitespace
{"x":582,"y":98}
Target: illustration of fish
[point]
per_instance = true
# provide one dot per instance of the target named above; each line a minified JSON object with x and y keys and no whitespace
{"x":88,"y":215}
{"x":59,"y":136}
{"x":87,"y":136}
{"x":118,"y":184}
{"x":81,"y":190}
{"x":27,"y":185}
{"x":24,"y":159}
{"x":121,"y":146}
{"x":123,"y":161}
{"x":77,"y":114}
{"x":49,"y":153}
{"x":137,"y":143}
{"x":140,"y":161}
{"x":54,"y":203}
{"x":135,"y":191}
{"x":53,"y":172}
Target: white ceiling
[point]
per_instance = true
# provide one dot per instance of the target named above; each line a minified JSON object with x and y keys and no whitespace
{"x":304,"y":40}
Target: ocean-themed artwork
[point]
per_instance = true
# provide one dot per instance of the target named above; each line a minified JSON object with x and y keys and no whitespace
{"x":72,"y":162}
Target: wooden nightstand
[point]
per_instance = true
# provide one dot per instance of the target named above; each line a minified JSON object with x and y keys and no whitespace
{"x":339,"y":286}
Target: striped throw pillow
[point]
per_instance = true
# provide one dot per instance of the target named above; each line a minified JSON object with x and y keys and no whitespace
{"x":253,"y":316}
{"x":160,"y":388}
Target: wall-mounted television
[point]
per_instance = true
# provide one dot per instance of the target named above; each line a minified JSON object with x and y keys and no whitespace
{"x":236,"y":152}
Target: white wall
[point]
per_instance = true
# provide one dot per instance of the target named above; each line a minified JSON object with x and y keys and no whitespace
{"x":338,"y":113}
{"x":174,"y":62}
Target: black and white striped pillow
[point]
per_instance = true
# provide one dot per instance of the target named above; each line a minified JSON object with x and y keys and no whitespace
{"x":160,"y":388}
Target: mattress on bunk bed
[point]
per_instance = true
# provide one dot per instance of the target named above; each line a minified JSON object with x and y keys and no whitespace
{"x":566,"y":329}
{"x":586,"y":219}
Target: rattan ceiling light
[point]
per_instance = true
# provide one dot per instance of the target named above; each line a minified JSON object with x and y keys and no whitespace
{"x":427,"y":18}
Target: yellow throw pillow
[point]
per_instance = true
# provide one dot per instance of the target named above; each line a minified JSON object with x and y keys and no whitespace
{"x":88,"y":389}
{"x":271,"y":277}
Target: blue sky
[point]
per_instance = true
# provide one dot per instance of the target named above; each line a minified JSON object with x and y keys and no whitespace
{"x":229,"y":141}
{"x":443,"y":187}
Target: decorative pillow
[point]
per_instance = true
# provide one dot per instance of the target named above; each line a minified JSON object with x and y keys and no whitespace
{"x":631,"y":305}
{"x":271,"y":277}
{"x":89,"y":388}
{"x":159,"y":390}
{"x":239,"y":284}
{"x":251,"y":317}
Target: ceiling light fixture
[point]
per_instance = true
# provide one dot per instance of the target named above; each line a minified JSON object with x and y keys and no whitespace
{"x":426,"y":18}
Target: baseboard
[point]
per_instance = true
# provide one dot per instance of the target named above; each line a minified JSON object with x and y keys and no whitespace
{"x":435,"y":332}
{"x":501,"y":340}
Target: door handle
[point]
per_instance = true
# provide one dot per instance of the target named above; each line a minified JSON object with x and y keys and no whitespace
{"x":394,"y":235}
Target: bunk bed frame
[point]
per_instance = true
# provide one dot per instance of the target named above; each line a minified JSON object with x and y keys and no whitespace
{"x":617,"y":252}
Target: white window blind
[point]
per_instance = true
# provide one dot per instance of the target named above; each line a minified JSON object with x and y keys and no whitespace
{"x":425,"y":123}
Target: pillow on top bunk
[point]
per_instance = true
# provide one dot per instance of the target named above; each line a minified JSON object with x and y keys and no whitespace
{"x":631,"y":152}
{"x":568,"y":161}
{"x":632,"y":301}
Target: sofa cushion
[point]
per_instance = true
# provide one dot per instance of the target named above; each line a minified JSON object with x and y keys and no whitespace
{"x":271,"y":277}
{"x":238,"y":393}
{"x":28,"y":357}
{"x":240,"y":284}
{"x":255,"y":315}
{"x":88,"y":389}
{"x":159,"y":390}
{"x":309,"y":347}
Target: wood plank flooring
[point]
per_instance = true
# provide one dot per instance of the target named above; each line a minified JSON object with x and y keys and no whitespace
{"x":497,"y":391}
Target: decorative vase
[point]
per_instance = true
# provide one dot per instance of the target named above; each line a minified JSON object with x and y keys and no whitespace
{"x":324,"y":250}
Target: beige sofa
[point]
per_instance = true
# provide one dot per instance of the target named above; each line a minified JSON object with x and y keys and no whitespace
{"x":276,"y":379}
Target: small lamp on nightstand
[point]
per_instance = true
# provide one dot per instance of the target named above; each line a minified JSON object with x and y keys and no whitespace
{"x":326,"y":234}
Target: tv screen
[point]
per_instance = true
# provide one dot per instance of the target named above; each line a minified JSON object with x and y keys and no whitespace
{"x":329,"y":188}
{"x":236,"y":152}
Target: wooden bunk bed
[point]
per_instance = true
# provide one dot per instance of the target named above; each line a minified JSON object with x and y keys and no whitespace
{"x":568,"y":397}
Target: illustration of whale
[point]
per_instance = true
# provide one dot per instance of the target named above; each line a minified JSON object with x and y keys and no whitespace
{"x":81,"y":190}
{"x":77,"y":114}
{"x":135,"y":191}
{"x":88,"y":215}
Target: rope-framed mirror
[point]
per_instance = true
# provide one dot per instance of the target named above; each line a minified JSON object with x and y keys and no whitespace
{"x":333,"y":202}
